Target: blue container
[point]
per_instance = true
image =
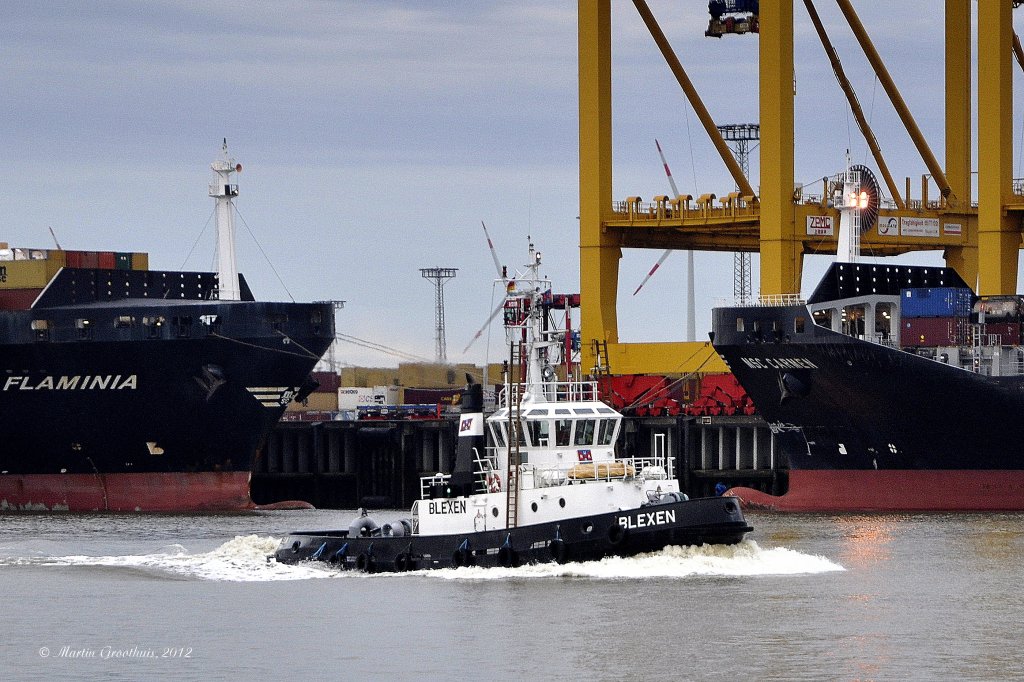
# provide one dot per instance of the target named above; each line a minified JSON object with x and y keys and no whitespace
{"x":936,"y":302}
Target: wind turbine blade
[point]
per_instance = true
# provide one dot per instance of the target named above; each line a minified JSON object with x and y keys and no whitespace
{"x":657,"y":265}
{"x":483,"y":328}
{"x":494,"y":254}
{"x":671,"y":181}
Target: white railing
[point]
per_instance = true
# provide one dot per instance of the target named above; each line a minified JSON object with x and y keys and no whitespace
{"x":427,"y":481}
{"x":660,"y":468}
{"x":560,"y":390}
{"x":763,"y":301}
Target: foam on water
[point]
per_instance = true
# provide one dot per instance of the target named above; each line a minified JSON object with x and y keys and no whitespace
{"x":245,"y":559}
{"x":744,"y":559}
{"x":242,"y":559}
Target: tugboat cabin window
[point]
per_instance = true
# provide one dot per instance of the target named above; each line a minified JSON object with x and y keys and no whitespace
{"x":563,"y":430}
{"x":605,"y":432}
{"x":584,"y":432}
{"x":498,"y":434}
{"x":539,"y":430}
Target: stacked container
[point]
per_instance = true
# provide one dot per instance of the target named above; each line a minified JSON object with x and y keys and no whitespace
{"x":1001,"y":315}
{"x":24,"y":273}
{"x":937,"y":316}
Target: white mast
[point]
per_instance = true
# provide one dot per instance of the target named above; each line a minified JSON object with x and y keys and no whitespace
{"x":850,"y":204}
{"x":223,"y":191}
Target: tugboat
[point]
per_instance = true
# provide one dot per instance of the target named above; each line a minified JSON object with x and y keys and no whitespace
{"x":549,"y":489}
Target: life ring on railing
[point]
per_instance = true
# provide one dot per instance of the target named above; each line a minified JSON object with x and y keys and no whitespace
{"x":493,"y":483}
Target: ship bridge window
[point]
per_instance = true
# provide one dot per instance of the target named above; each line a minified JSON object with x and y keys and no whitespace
{"x":605,"y":410}
{"x":539,"y":432}
{"x":563,"y":429}
{"x":799,"y":324}
{"x":740,"y":326}
{"x":583,"y":410}
{"x":124,"y":321}
{"x":584,"y":432}
{"x":498,"y":435}
{"x":606,"y":431}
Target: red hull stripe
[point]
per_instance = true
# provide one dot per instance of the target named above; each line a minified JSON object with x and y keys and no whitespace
{"x":893,"y":490}
{"x":151,"y":492}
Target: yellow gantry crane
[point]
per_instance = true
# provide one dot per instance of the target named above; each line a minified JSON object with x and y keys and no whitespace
{"x":981,"y":240}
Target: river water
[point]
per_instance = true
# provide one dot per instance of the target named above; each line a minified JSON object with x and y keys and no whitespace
{"x":891,"y":597}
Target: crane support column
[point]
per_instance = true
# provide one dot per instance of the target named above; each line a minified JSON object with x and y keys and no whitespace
{"x":958,"y":131}
{"x":998,"y":233}
{"x":781,"y":250}
{"x":599,"y":253}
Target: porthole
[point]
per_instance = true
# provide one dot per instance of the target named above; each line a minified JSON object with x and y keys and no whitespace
{"x":561,"y":502}
{"x":533,"y":506}
{"x":494,"y":512}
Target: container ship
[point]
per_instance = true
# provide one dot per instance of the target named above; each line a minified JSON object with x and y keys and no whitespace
{"x":129,"y":389}
{"x":890,"y":388}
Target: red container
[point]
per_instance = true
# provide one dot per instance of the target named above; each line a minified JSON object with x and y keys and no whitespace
{"x":1009,"y":331}
{"x":107,"y":260}
{"x":90,"y":259}
{"x":18,"y":299}
{"x":933,"y":331}
{"x":329,"y":382}
{"x":73,"y":259}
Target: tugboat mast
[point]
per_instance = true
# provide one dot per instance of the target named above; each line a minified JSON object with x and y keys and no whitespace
{"x":223,"y":191}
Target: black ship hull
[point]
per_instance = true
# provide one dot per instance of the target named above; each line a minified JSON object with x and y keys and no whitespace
{"x":622,"y":533}
{"x":870,"y":427}
{"x":150,"y":405}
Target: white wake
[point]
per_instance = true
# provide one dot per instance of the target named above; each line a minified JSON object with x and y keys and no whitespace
{"x":250,"y":558}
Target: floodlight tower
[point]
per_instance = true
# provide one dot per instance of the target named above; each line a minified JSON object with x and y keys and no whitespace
{"x":740,"y":135}
{"x":439,"y":276}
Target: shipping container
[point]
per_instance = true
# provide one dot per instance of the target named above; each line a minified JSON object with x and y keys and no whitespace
{"x":1009,"y":332}
{"x":105,"y":260}
{"x":317,"y":402}
{"x":432,"y":396}
{"x":123,"y":261}
{"x":352,"y":397}
{"x":18,"y":299}
{"x":28,"y":274}
{"x":936,"y":302}
{"x":329,"y":382}
{"x":140,"y":261}
{"x":933,"y":331}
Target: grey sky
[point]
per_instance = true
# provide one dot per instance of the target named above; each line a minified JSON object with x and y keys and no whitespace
{"x":375,"y":136}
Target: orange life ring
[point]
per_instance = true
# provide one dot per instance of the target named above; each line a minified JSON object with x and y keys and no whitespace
{"x":493,"y":483}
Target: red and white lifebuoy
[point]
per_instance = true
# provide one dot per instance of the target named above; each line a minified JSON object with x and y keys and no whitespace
{"x":493,"y":483}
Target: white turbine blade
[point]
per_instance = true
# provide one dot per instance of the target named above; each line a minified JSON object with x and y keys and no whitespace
{"x":494,"y":254}
{"x":671,"y":181}
{"x":675,"y":193}
{"x":483,"y":328}
{"x":653,"y":270}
